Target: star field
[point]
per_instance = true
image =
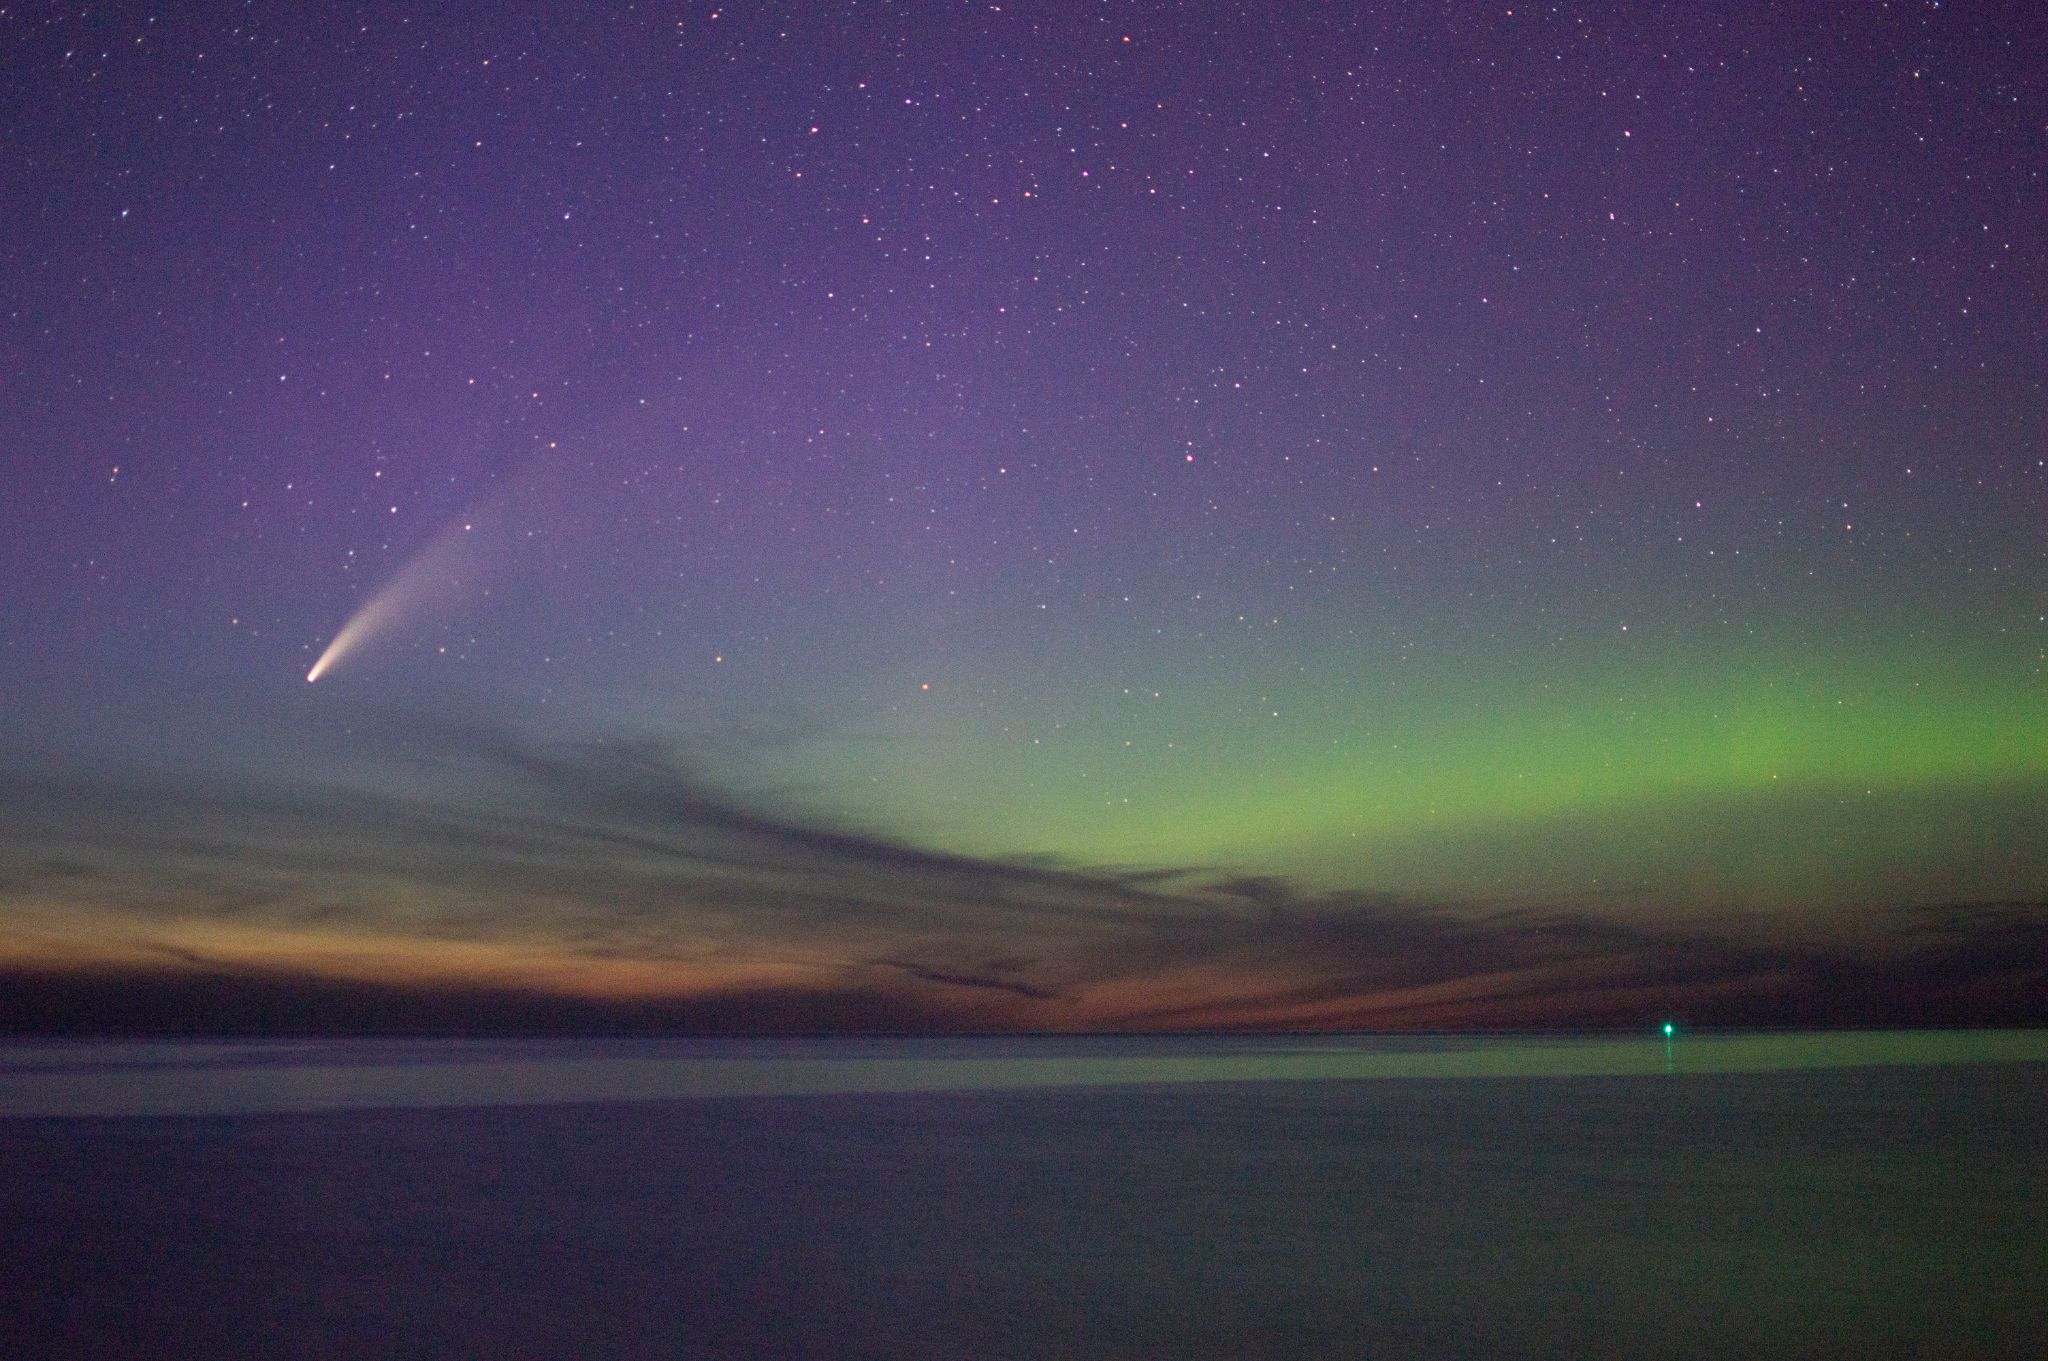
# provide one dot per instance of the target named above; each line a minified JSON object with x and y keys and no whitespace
{"x":1521,"y":460}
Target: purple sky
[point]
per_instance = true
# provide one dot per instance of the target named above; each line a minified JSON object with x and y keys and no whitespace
{"x":1046,"y":516}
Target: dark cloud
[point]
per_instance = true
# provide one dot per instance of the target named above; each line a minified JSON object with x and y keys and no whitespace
{"x":621,"y":851}
{"x":274,"y":1001}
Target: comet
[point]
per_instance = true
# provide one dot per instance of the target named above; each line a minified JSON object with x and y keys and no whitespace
{"x":363,"y":624}
{"x":439,"y":573}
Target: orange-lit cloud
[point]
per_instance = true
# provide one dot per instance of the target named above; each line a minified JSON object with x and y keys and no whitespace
{"x":608,"y":886}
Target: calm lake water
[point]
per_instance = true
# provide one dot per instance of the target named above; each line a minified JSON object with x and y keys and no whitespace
{"x":1860,"y":1195}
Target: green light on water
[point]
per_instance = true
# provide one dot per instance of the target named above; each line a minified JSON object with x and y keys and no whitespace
{"x":1668,"y":1028}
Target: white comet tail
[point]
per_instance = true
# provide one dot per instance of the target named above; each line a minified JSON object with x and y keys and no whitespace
{"x":361,"y":625}
{"x":439,"y":573}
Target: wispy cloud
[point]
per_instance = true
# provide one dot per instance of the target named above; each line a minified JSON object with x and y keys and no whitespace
{"x":502,"y":883}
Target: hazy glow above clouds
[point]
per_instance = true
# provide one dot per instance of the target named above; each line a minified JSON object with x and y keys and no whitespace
{"x":927,"y":506}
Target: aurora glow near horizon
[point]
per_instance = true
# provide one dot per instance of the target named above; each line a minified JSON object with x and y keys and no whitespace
{"x":1115,"y":517}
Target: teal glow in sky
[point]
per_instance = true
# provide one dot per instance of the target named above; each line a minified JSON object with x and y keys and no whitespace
{"x":845,"y":515}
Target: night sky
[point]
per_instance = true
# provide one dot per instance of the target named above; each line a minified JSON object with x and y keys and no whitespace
{"x":1022,"y":516}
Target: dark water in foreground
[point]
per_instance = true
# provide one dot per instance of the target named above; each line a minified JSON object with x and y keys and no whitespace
{"x":1018,"y":1199}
